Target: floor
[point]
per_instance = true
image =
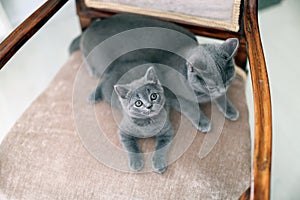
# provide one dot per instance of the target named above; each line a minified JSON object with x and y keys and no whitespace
{"x":33,"y":67}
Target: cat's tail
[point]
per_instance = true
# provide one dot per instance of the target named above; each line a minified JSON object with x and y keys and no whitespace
{"x":75,"y":45}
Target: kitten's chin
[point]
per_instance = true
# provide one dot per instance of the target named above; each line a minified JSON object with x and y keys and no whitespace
{"x":153,"y":113}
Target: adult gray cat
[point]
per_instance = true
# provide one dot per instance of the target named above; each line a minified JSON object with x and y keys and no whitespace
{"x":209,"y":69}
{"x":145,"y":114}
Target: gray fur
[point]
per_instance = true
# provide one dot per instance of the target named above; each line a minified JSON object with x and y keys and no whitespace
{"x":148,"y":118}
{"x":210,"y":72}
{"x":199,"y":72}
{"x":75,"y":45}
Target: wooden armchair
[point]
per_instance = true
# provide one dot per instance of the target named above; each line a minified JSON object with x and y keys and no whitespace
{"x":243,"y":26}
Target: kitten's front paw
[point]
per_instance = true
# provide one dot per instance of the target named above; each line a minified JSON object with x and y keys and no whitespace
{"x":136,"y":162}
{"x":204,"y":125}
{"x":159,"y":163}
{"x":232,"y":114}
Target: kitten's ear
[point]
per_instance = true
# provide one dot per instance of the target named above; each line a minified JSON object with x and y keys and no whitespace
{"x":230,"y":46}
{"x":121,"y":90}
{"x":151,"y":76}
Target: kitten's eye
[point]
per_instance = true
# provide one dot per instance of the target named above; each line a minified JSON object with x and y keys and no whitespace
{"x":153,"y":96}
{"x":138,"y":103}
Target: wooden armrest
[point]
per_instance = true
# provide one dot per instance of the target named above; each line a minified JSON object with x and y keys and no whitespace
{"x":28,"y":28}
{"x":261,"y":169}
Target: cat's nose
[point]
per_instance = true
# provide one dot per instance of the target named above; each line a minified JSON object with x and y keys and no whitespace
{"x":149,"y":106}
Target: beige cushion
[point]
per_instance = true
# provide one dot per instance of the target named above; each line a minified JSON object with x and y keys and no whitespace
{"x":212,"y":13}
{"x":43,"y":156}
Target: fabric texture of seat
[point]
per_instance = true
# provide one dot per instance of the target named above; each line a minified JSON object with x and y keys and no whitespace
{"x":221,"y":14}
{"x":43,"y":156}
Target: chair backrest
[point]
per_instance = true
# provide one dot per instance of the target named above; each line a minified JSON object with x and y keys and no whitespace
{"x":210,"y":18}
{"x":219,"y":14}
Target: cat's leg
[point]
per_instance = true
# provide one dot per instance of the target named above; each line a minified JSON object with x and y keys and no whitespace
{"x":96,"y":95}
{"x":160,"y":156}
{"x":227,"y":108}
{"x":196,"y":116}
{"x":136,"y":161}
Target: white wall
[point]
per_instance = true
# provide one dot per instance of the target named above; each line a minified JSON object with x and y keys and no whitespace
{"x":18,"y":10}
{"x":5,"y":25}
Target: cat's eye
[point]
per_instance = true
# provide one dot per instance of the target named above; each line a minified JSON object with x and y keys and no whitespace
{"x":153,"y":96}
{"x":138,"y":103}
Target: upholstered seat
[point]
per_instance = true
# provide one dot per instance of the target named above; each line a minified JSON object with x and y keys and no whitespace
{"x":221,"y":14}
{"x":44,"y":156}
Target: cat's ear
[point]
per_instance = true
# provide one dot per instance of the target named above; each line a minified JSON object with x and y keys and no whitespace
{"x":121,"y":90}
{"x":151,"y":76}
{"x":230,"y":46}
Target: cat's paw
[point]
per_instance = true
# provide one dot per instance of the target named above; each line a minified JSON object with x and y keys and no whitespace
{"x":204,"y":125}
{"x":159,"y":163}
{"x":136,"y":162}
{"x":94,"y":98}
{"x":232,"y":114}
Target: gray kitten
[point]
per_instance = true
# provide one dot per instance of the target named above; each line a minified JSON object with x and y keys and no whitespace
{"x":205,"y":61}
{"x":145,"y":114}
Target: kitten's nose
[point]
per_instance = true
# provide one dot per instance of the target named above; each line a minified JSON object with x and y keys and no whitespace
{"x":149,"y":106}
